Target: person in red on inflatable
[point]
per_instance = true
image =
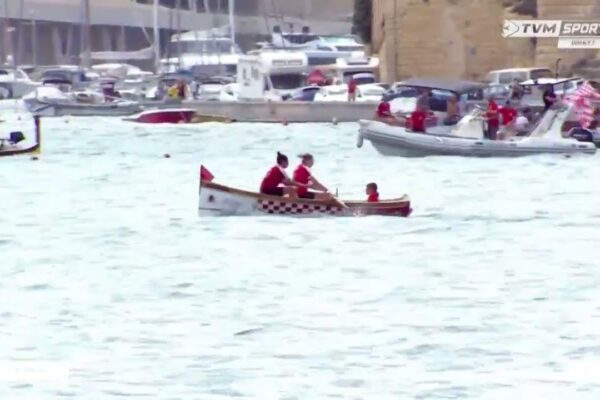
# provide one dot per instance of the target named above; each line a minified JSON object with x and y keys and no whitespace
{"x":303,"y":175}
{"x":372,"y":192}
{"x":277,"y":182}
{"x":493,"y":118}
{"x":508,"y":113}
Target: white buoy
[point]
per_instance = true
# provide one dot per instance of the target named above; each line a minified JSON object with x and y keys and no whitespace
{"x":334,"y":121}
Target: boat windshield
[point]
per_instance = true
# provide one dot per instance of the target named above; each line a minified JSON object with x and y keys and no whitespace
{"x":541,"y":73}
{"x":288,"y":81}
{"x":200,"y":46}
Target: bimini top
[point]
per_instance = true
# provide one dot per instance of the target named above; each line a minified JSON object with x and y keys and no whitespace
{"x":451,"y":85}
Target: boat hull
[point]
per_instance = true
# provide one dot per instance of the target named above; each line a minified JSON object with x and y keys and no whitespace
{"x":9,"y":150}
{"x":397,"y":141}
{"x":174,"y":116}
{"x":58,"y":109}
{"x":220,"y":200}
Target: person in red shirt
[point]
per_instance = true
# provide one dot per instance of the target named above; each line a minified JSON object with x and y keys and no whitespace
{"x":416,"y":121}
{"x":508,"y":113}
{"x":384,"y":113}
{"x":372,"y":193}
{"x":303,"y":176}
{"x":352,"y":85}
{"x":493,"y":118}
{"x":277,"y":182}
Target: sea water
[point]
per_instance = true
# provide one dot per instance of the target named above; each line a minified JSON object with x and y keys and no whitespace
{"x":112,"y":285}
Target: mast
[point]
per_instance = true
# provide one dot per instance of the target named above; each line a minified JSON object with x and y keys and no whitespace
{"x":86,"y":60}
{"x":232,"y":23}
{"x":156,"y":36}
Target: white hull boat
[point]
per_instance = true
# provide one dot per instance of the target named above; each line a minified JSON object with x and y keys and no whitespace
{"x":467,"y":139}
{"x":51,"y":102}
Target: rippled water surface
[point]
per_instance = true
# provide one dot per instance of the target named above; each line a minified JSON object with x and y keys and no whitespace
{"x":489,"y":291}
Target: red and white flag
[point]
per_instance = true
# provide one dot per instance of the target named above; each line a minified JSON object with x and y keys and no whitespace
{"x":581,"y":101}
{"x":205,"y":174}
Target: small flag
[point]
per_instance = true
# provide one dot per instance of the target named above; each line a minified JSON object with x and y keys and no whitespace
{"x":205,"y":174}
{"x":580,"y":99}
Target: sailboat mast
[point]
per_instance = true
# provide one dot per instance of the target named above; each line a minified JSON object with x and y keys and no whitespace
{"x":86,"y":61}
{"x":232,"y":23}
{"x":156,"y":36}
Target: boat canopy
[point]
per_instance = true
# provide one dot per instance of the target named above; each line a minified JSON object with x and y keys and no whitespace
{"x":451,"y":85}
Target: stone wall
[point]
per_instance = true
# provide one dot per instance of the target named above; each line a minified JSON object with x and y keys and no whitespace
{"x":462,"y":38}
{"x":572,"y":61}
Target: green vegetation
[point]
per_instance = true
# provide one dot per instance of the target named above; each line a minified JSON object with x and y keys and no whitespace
{"x":363,"y":17}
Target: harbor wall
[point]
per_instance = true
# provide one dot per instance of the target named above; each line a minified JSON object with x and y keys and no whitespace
{"x":462,"y":38}
{"x":284,"y":112}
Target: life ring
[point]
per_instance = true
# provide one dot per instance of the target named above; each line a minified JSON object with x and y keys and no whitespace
{"x":359,"y":140}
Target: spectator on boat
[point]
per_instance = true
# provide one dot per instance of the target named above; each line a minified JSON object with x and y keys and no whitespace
{"x":423,"y":101}
{"x":372,"y":192}
{"x":276,"y":182}
{"x":173,"y":92}
{"x":161,"y":91}
{"x":549,"y":97}
{"x":508,"y":113}
{"x":303,"y":176}
{"x":352,"y":87}
{"x":493,"y":118}
{"x":182,"y":90}
{"x":384,"y":113}
{"x":516,"y":90}
{"x":452,"y":111}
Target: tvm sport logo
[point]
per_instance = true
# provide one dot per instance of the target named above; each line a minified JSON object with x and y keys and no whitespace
{"x":570,"y":34}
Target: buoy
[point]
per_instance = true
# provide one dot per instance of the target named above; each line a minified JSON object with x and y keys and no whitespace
{"x":34,"y":158}
{"x":167,"y":155}
{"x":334,"y":121}
{"x":284,"y":122}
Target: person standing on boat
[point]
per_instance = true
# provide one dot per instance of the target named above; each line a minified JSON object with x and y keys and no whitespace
{"x":352,"y":87}
{"x":549,"y":97}
{"x":277,"y":181}
{"x":516,"y":90}
{"x":452,"y":111}
{"x":493,"y":118}
{"x":303,"y":175}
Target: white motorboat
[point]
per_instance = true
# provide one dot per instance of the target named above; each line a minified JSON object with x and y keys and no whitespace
{"x":55,"y":99}
{"x":15,"y":83}
{"x":467,"y":139}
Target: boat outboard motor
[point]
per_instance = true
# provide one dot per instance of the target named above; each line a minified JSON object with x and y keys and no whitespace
{"x":16,"y":137}
{"x":581,"y":134}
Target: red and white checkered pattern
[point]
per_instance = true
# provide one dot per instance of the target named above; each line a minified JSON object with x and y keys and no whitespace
{"x":580,"y":99}
{"x":280,"y":207}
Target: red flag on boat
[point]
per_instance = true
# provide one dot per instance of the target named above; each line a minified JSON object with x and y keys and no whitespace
{"x":580,"y":99}
{"x":205,"y":174}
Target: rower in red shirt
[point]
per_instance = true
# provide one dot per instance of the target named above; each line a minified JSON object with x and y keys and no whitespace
{"x":277,"y":182}
{"x":492,"y":118}
{"x":304,"y":176}
{"x":371,"y":191}
{"x":508,"y":113}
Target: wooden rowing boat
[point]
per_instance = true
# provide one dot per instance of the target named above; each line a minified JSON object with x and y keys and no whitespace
{"x":217,"y":199}
{"x":10,"y":147}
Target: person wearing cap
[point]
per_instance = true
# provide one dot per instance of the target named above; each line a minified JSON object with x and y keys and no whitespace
{"x":303,"y":176}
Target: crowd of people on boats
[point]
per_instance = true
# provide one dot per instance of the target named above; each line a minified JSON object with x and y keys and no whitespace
{"x":503,"y":121}
{"x":303,"y":184}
